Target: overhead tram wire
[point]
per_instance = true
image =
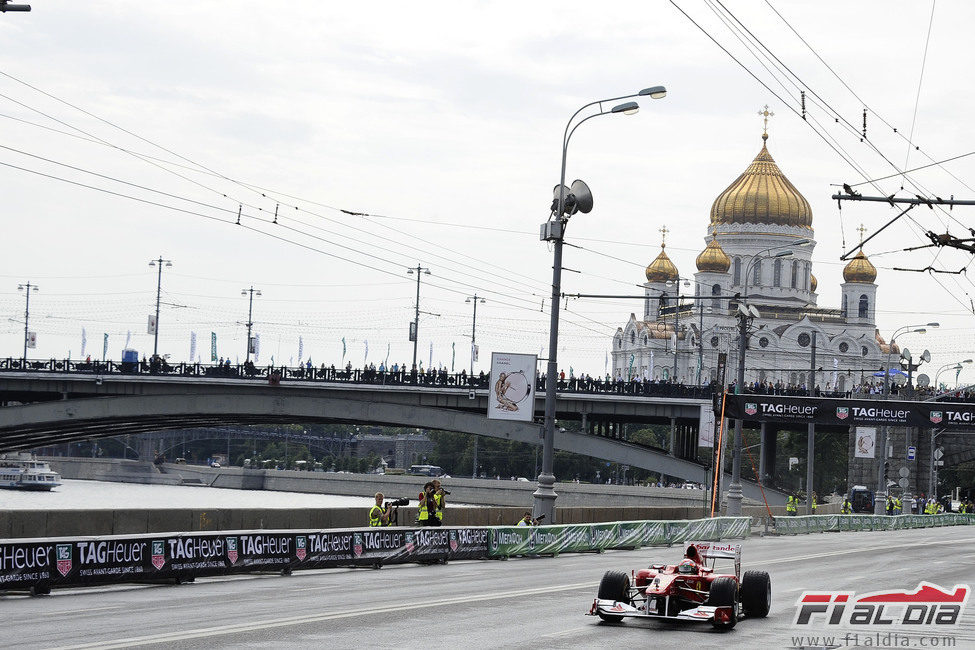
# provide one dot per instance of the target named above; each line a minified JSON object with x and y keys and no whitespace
{"x":842,"y":120}
{"x":872,"y":110}
{"x":920,"y":81}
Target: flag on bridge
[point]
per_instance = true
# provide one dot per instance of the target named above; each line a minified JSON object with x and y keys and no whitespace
{"x":386,"y":362}
{"x":192,"y":346}
{"x":128,"y":337}
{"x":257,"y":346}
{"x":430,"y":365}
{"x":367,"y":353}
{"x":213,"y":346}
{"x":84,"y":342}
{"x":105,"y":348}
{"x":343,"y":349}
{"x":453,"y":355}
{"x":301,"y":348}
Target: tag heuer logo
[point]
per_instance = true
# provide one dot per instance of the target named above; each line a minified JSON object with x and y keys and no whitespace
{"x":751,"y":408}
{"x":158,"y":554}
{"x":842,"y":412}
{"x":301,"y":543}
{"x":232,"y":549}
{"x":357,"y":544}
{"x":64,"y":559}
{"x":453,"y":540}
{"x":410,"y":546}
{"x":936,"y":416}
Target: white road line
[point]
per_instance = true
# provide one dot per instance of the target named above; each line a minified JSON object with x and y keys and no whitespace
{"x":79,"y":611}
{"x":315,"y":618}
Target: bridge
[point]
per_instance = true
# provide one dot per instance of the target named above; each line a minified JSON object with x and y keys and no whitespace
{"x":57,"y":402}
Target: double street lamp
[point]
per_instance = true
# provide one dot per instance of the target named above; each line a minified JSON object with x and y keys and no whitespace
{"x":250,"y":320}
{"x":880,"y":497}
{"x":155,"y":324}
{"x":554,"y":231}
{"x":474,"y":299}
{"x":415,"y":325}
{"x":957,"y":365}
{"x":745,"y":315}
{"x":27,"y":288}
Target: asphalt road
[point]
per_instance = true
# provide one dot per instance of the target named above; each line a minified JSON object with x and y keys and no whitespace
{"x":519,"y":603}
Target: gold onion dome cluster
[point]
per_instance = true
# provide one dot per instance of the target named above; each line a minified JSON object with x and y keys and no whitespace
{"x":860,"y":270}
{"x":813,"y":283}
{"x":662,"y":269}
{"x":713,"y":258}
{"x":762,"y":195}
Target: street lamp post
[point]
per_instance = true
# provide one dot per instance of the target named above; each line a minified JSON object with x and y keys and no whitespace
{"x":250,"y":320}
{"x":415,"y":334}
{"x":26,"y":288}
{"x":880,"y":497}
{"x":957,"y":365}
{"x":155,"y":341}
{"x":554,"y":231}
{"x":475,"y":298}
{"x":734,"y":489}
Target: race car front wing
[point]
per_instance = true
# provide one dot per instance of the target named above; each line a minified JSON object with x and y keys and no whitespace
{"x":700,"y":613}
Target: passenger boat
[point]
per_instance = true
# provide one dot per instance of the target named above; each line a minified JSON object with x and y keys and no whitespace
{"x":22,"y":471}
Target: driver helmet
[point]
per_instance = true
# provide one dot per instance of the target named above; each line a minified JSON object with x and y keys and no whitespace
{"x":687,"y":566}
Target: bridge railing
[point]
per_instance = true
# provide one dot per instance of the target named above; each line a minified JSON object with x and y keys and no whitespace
{"x":273,"y":374}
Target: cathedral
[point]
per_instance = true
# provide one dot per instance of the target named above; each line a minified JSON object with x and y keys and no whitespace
{"x":759,"y":247}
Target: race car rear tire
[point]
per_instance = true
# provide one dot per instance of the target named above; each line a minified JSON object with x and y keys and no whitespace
{"x":756,"y":593}
{"x":615,"y":585}
{"x":724,"y":593}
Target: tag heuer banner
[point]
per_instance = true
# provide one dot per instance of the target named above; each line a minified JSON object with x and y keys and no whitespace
{"x":850,"y":412}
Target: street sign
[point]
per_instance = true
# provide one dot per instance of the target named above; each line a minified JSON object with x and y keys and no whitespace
{"x":939,"y":463}
{"x":903,"y":483}
{"x":911,"y":452}
{"x":904,"y":472}
{"x":938,"y":453}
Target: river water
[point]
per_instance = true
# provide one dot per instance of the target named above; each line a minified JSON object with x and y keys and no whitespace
{"x":94,"y":495}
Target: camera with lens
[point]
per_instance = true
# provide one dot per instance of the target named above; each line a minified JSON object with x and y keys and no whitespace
{"x":443,"y":491}
{"x":397,"y":502}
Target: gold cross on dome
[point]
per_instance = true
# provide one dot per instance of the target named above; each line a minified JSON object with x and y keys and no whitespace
{"x":861,"y":230}
{"x":766,"y":113}
{"x":663,"y":236}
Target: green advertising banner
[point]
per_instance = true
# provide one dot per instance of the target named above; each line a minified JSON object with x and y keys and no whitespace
{"x":829,"y":523}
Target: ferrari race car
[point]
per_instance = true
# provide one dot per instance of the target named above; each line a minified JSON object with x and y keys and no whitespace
{"x":688,"y":591}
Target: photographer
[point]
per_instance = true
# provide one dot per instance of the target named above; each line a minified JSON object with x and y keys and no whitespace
{"x":438,"y":495}
{"x":379,"y":514}
{"x":429,"y":506}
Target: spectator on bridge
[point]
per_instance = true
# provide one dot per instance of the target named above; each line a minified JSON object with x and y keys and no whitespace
{"x":378,"y":516}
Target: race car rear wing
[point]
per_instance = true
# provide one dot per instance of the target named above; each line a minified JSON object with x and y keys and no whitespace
{"x":718,"y":551}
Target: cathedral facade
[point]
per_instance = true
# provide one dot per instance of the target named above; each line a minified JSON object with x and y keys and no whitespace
{"x":758,"y":253}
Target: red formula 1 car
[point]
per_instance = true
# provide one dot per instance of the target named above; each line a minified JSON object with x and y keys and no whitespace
{"x":688,"y":591}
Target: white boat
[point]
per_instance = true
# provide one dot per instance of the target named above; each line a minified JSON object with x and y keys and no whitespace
{"x":22,"y":471}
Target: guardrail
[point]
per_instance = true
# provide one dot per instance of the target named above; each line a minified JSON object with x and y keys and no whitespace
{"x":39,"y":565}
{"x":250,"y":372}
{"x":832,"y":523}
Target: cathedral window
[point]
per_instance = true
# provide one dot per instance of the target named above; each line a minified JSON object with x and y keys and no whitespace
{"x":736,"y":277}
{"x":777,"y":274}
{"x":844,"y":307}
{"x":803,"y":340}
{"x":632,"y":337}
{"x":844,"y":347}
{"x":716,"y":291}
{"x":795,"y":273}
{"x":864,"y":308}
{"x":757,"y":273}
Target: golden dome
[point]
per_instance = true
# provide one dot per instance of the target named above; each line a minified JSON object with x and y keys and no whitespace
{"x":813,"y":283}
{"x":713,"y":258}
{"x":762,"y":194}
{"x":662,"y":269}
{"x":860,"y":270}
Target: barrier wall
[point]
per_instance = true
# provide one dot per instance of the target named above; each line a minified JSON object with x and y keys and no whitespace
{"x":829,"y":523}
{"x":41,"y":564}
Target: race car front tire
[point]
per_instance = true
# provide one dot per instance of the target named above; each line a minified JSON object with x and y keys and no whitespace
{"x":724,"y":593}
{"x":756,"y":593}
{"x":615,"y":585}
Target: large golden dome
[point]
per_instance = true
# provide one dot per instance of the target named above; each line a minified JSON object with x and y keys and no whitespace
{"x":713,"y":258}
{"x":662,"y":269}
{"x":763,"y":195}
{"x":860,"y":270}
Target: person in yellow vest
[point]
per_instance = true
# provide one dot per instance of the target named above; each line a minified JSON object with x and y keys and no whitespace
{"x":428,"y":506}
{"x":847,"y":508}
{"x":438,"y":495}
{"x":898,"y":506}
{"x":377,"y":514}
{"x":791,"y":505}
{"x":814,"y":503}
{"x":526,"y":520}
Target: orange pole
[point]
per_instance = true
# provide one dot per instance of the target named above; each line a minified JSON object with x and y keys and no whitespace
{"x":717,"y":463}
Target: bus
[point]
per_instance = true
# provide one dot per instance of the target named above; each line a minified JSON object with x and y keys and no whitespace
{"x":425,"y":470}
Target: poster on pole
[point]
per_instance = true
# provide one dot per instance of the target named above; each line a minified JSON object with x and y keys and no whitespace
{"x":151,"y":328}
{"x":706,"y":423}
{"x":866,"y":442}
{"x":512,"y":386}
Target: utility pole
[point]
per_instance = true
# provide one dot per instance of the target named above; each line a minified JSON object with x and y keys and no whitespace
{"x":415,"y":330}
{"x":474,"y":299}
{"x":155,"y":341}
{"x":810,"y":429}
{"x":26,"y":288}
{"x":250,"y":320}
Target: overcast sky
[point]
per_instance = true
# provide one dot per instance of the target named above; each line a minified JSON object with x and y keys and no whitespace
{"x":445,"y":121}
